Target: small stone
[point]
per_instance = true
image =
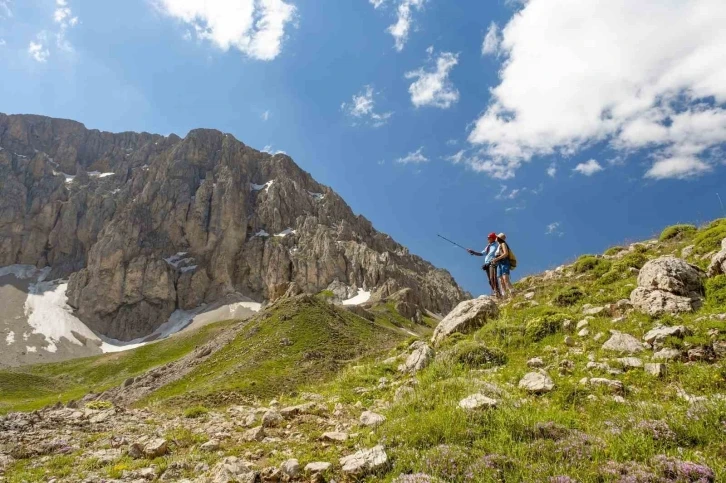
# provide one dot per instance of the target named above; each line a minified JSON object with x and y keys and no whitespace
{"x":211,"y":445}
{"x":271,"y":419}
{"x":369,"y":418}
{"x":535,"y":362}
{"x":625,"y":343}
{"x":582,"y":324}
{"x":599,"y":336}
{"x":567,"y":325}
{"x":661,"y":332}
{"x":614,"y":386}
{"x":584,"y":332}
{"x":290,"y":468}
{"x":629,"y":363}
{"x":334,"y":436}
{"x":668,"y":354}
{"x":655,"y":369}
{"x":365,"y":462}
{"x":594,"y":311}
{"x":569,"y":341}
{"x":155,"y":448}
{"x":536,"y":383}
{"x":147,"y":473}
{"x":477,"y":401}
{"x":317,"y":467}
{"x":254,"y":434}
{"x":529,"y":296}
{"x":619,"y":399}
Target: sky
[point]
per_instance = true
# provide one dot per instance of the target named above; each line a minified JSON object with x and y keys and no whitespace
{"x":570,"y":125}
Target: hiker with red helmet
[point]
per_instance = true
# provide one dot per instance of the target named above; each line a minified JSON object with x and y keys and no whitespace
{"x":489,"y":253}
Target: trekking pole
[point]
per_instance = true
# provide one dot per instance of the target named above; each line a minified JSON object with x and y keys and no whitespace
{"x":452,"y":242}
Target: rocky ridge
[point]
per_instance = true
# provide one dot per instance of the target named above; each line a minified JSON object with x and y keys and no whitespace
{"x":143,"y":225}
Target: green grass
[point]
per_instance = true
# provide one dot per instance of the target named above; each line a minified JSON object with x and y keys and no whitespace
{"x":33,"y":387}
{"x":677,"y":231}
{"x":256,"y":365}
{"x":709,"y":238}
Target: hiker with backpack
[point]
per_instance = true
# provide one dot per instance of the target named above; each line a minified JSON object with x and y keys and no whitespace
{"x":491,"y":270}
{"x":504,"y":261}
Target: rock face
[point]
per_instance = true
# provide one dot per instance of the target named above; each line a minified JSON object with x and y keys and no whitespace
{"x":144,"y":225}
{"x":466,"y":317}
{"x":668,"y":285}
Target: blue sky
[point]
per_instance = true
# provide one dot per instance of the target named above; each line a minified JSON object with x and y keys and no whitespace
{"x":569,"y":125}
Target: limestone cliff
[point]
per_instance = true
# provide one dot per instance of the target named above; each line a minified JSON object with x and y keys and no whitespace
{"x":144,"y":224}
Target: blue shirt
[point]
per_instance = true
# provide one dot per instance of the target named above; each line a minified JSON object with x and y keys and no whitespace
{"x":490,"y":252}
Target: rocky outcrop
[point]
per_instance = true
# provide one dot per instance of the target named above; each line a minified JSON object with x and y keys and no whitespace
{"x":144,"y":225}
{"x":466,"y":317}
{"x":718,"y":262}
{"x":668,"y":285}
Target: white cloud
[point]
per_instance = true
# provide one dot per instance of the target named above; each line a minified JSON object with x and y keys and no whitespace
{"x":434,"y":88}
{"x":362,"y":107}
{"x":254,"y":27}
{"x":589,"y":168}
{"x":677,"y":167}
{"x":377,"y":3}
{"x":666,"y":95}
{"x":503,"y":195}
{"x":554,"y":229}
{"x":415,"y":157}
{"x":5,"y":11}
{"x":452,"y":142}
{"x":2,"y":42}
{"x":492,"y":40}
{"x":552,"y":170}
{"x":38,"y":51}
{"x":265,"y":115}
{"x":63,"y":16}
{"x":401,"y":29}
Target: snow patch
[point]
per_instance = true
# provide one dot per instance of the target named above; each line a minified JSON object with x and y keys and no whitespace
{"x":259,"y":187}
{"x":286,"y":232}
{"x":178,"y":260}
{"x":261,"y":233}
{"x":10,"y":338}
{"x":31,"y":348}
{"x":317,"y":196}
{"x":361,"y":298}
{"x":188,"y":269}
{"x":98,"y":174}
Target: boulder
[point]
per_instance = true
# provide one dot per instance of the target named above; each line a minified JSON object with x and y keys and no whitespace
{"x":211,"y":445}
{"x":334,"y":436}
{"x":623,"y":343}
{"x":613,"y":386}
{"x":477,"y":401}
{"x":369,"y":418}
{"x":668,"y":285}
{"x":466,"y":317}
{"x":668,"y":354}
{"x":655,"y":369}
{"x":420,"y":358}
{"x":718,"y":262}
{"x":317,"y":467}
{"x":535,"y":363}
{"x":254,"y":434}
{"x":271,"y":419}
{"x":231,"y":469}
{"x":155,"y":448}
{"x":364,"y":462}
{"x":536,"y":382}
{"x":629,"y":363}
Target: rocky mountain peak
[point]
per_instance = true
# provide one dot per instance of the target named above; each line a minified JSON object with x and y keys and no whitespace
{"x":145,"y":225}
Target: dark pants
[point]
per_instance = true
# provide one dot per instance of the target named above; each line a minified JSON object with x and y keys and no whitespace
{"x":491,"y":271}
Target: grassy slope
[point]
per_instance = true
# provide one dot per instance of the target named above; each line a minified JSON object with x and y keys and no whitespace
{"x":256,"y":363}
{"x":429,"y":433}
{"x":33,"y":387}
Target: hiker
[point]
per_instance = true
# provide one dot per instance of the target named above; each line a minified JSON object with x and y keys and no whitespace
{"x":491,"y":270}
{"x":502,"y":260}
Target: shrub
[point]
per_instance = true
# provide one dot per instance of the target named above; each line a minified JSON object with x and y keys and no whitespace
{"x":540,"y":327}
{"x":447,"y":461}
{"x":677,"y":232}
{"x":611,"y":277}
{"x":195,"y":412}
{"x":709,"y":239}
{"x":475,"y":354}
{"x":716,"y":291}
{"x":614,"y":250}
{"x":568,"y":296}
{"x":634,"y":260}
{"x":591,"y":263}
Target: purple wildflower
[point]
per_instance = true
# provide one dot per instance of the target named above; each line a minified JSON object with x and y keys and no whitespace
{"x":656,"y":429}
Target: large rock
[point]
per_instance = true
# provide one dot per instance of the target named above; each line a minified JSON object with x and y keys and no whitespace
{"x":668,"y":285}
{"x":365,"y":462}
{"x":718,"y":262}
{"x":477,"y":401}
{"x":466,"y":317}
{"x":177,"y":223}
{"x":623,"y":343}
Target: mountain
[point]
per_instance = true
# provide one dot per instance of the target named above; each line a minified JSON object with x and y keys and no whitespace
{"x":144,"y":226}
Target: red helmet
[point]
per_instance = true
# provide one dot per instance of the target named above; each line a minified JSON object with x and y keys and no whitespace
{"x":492,"y":235}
